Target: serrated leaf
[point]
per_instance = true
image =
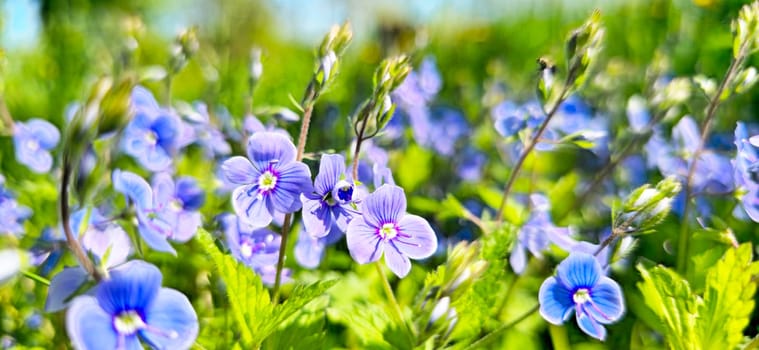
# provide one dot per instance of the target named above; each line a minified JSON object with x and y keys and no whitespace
{"x":670,"y":298}
{"x":728,"y":299}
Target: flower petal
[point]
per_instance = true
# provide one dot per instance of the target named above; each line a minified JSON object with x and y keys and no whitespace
{"x":239,"y":170}
{"x":385,"y":205}
{"x":331,"y":167}
{"x":155,"y":233}
{"x":415,"y":239}
{"x":363,"y":242}
{"x":294,"y":179}
{"x":133,"y":187}
{"x":590,"y":326}
{"x":556,"y":302}
{"x":266,"y":147}
{"x":163,"y":190}
{"x":317,"y":217}
{"x":608,"y":305}
{"x":172,"y":322}
{"x":518,"y":258}
{"x":250,"y":206}
{"x":45,"y":133}
{"x":132,"y":286}
{"x":62,"y":286}
{"x":89,"y":326}
{"x":187,"y":225}
{"x":397,"y":261}
{"x":579,"y":270}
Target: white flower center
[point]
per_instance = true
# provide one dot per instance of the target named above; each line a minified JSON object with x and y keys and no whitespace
{"x":176,"y":205}
{"x":267,"y":181}
{"x":128,"y":322}
{"x":32,"y":144}
{"x":581,"y":296}
{"x":151,"y":137}
{"x":388,"y":231}
{"x":246,"y":250}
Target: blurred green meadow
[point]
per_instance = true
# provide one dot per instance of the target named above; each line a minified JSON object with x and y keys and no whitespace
{"x":52,"y":52}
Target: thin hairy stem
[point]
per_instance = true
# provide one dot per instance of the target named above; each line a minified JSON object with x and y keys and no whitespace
{"x":480,"y":343}
{"x":683,"y":246}
{"x":308,"y":102}
{"x":391,"y":297}
{"x":71,"y":240}
{"x":526,"y":152}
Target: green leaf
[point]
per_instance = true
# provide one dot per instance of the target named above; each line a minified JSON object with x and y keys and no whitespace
{"x":728,"y":299}
{"x":254,"y":313}
{"x":670,"y":298}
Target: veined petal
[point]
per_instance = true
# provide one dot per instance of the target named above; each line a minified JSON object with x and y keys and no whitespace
{"x":331,"y":167}
{"x":579,"y":270}
{"x":62,"y":286}
{"x":385,"y":205}
{"x":266,"y":146}
{"x":396,"y":260}
{"x":317,"y":217}
{"x":363,"y":242}
{"x":155,"y":234}
{"x":250,"y":206}
{"x":45,"y":133}
{"x":89,"y":326}
{"x":163,"y":190}
{"x":589,"y":325}
{"x":132,"y":286}
{"x":607,"y":302}
{"x":187,"y":225}
{"x":171,"y":320}
{"x":133,"y":187}
{"x":556,"y":302}
{"x":415,"y":239}
{"x":293,"y":179}
{"x":239,"y":170}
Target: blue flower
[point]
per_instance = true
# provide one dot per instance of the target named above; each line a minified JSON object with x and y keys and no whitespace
{"x":580,"y":287}
{"x":154,"y":134}
{"x":269,"y":180}
{"x":385,"y":227}
{"x":205,"y":134}
{"x":166,"y":211}
{"x":257,"y":248}
{"x":309,"y":250}
{"x":537,"y":234}
{"x":333,"y":200}
{"x":33,"y":141}
{"x":746,"y":164}
{"x":129,"y":307}
{"x":12,"y":215}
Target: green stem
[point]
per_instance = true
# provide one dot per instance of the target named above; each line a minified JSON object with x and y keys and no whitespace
{"x":526,"y":152}
{"x":391,"y":297}
{"x":683,"y":246}
{"x":506,"y":326}
{"x":559,"y":337}
{"x":35,"y":277}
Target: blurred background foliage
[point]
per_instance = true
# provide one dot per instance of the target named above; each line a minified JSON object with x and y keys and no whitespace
{"x":486,"y":51}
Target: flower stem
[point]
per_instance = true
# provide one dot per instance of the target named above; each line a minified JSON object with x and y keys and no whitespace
{"x":479,"y":344}
{"x":35,"y":277}
{"x":359,"y":139}
{"x":559,"y":338}
{"x":683,"y":247}
{"x":5,"y":115}
{"x":526,"y":152}
{"x":72,"y":241}
{"x":308,"y":102}
{"x":391,"y":297}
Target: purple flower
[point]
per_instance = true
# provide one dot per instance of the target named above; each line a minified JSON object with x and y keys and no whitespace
{"x":309,"y":250}
{"x":33,"y":141}
{"x":537,"y":234}
{"x":385,"y":227}
{"x":746,"y":164}
{"x":258,"y":248}
{"x":129,"y":307}
{"x":333,"y":200}
{"x":12,"y":215}
{"x":580,"y":286}
{"x":269,"y":179}
{"x":205,"y":134}
{"x":154,"y":134}
{"x":166,"y":211}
